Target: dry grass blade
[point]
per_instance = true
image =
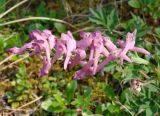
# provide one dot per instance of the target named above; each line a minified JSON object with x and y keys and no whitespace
{"x":37,"y":18}
{"x":29,"y":103}
{"x":24,"y":57}
{"x":6,"y":59}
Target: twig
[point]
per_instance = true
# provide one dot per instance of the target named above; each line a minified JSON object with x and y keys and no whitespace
{"x":143,"y":74}
{"x":12,"y":8}
{"x":5,"y":39}
{"x":14,"y":62}
{"x":118,"y":2}
{"x":6,"y":59}
{"x":124,"y":107}
{"x":29,"y":103}
{"x":37,"y":18}
{"x":84,"y":29}
{"x":83,"y":23}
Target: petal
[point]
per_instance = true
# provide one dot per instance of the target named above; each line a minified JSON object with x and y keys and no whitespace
{"x":70,"y":45}
{"x":105,"y":62}
{"x":109,"y":44}
{"x":85,"y":71}
{"x":141,"y":50}
{"x":60,"y":50}
{"x":96,"y":59}
{"x":79,"y":56}
{"x":33,"y":34}
{"x":16,"y":50}
{"x":121,"y":43}
{"x":105,"y":52}
{"x":130,"y":39}
{"x":86,"y":40}
{"x":46,"y":67}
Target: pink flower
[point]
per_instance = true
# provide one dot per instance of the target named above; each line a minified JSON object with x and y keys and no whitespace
{"x":50,"y":38}
{"x":79,"y":56}
{"x":86,"y":40}
{"x":43,"y":43}
{"x":45,"y":68}
{"x":40,"y":42}
{"x":70,"y":43}
{"x":97,"y":48}
{"x":109,"y":44}
{"x":136,"y":85}
{"x":129,"y":45}
{"x":16,"y":50}
{"x":110,"y":58}
{"x":85,"y":71}
{"x":60,"y":49}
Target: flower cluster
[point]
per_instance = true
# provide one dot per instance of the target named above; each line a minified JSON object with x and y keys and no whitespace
{"x":88,"y":51}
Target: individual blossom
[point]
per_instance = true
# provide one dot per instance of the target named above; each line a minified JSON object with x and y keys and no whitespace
{"x":70,"y":43}
{"x":109,"y":44}
{"x":129,"y":45}
{"x":60,"y":50}
{"x":45,"y":68}
{"x":85,"y":71}
{"x":50,"y":38}
{"x":41,"y":42}
{"x":113,"y":54}
{"x":86,"y":40}
{"x":97,"y":49}
{"x":78,"y":56}
{"x":136,"y":85}
{"x":16,"y":50}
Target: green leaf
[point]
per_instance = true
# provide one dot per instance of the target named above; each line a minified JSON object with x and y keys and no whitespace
{"x":14,"y":105}
{"x":59,"y":99}
{"x":109,"y":92}
{"x":125,"y":95}
{"x":112,"y":107}
{"x":149,"y":112}
{"x":87,"y":92}
{"x":94,"y":13}
{"x":157,"y":30}
{"x":35,"y":26}
{"x":60,"y":27}
{"x":41,"y":10}
{"x":3,"y":6}
{"x":101,"y":17}
{"x":97,"y":21}
{"x":134,"y":3}
{"x":109,"y":67}
{"x":1,"y":45}
{"x":152,"y":88}
{"x":71,"y":87}
{"x":52,"y":106}
{"x":46,"y":104}
{"x":139,"y":60}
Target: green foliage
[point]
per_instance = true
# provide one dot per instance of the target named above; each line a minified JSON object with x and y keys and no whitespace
{"x":21,"y":88}
{"x":136,"y":23}
{"x":134,"y":3}
{"x":60,"y":27}
{"x":147,"y":6}
{"x":103,"y":18}
{"x":52,"y":106}
{"x":71,"y":87}
{"x":3,"y":6}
